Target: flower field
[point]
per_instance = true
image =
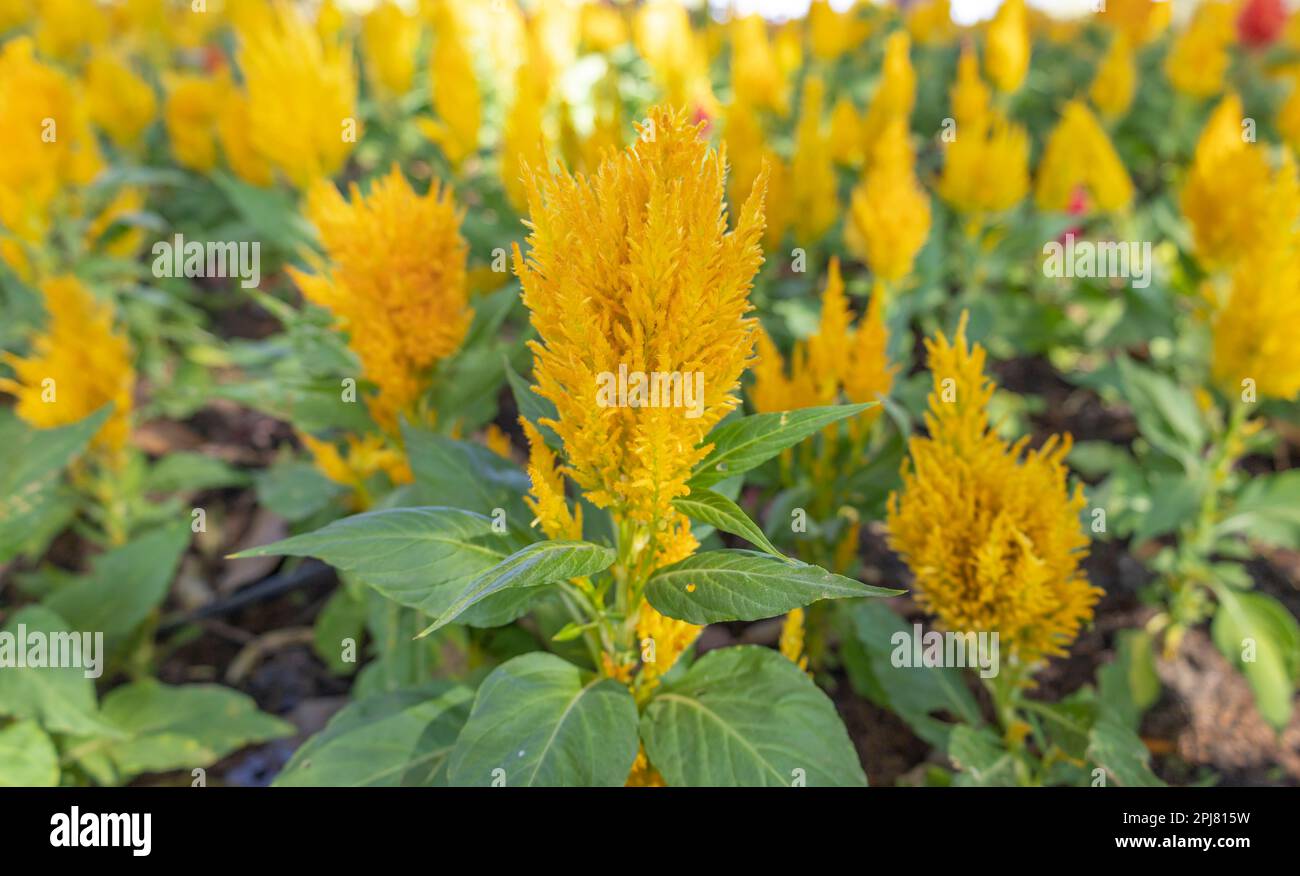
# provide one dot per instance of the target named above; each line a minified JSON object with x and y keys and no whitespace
{"x":592,"y":393}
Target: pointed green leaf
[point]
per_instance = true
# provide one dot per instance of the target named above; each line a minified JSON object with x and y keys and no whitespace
{"x":718,"y":511}
{"x":729,"y":585}
{"x":747,"y":442}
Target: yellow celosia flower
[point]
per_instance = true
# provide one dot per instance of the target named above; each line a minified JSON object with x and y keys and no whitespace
{"x":756,"y":77}
{"x":832,"y":33}
{"x":969,"y":95}
{"x":1254,"y":329}
{"x":929,"y":22}
{"x":457,"y":102}
{"x":301,"y":96}
{"x":788,"y":47}
{"x":1080,"y":155}
{"x":233,"y":131}
{"x":631,"y":269}
{"x":846,"y":133}
{"x":986,"y":168}
{"x":194,"y":103}
{"x":66,"y":27}
{"x":991,"y":532}
{"x":49,"y":149}
{"x":835,"y":358}
{"x":1140,"y":21}
{"x":603,"y":28}
{"x":78,"y":364}
{"x":522,"y":142}
{"x":896,"y":95}
{"x":1006,"y":52}
{"x":643,"y":775}
{"x":743,"y":134}
{"x":364,"y":458}
{"x":15,"y":13}
{"x":1198,"y":58}
{"x":675,"y":54}
{"x":121,"y":103}
{"x":791,"y":641}
{"x":548,"y":500}
{"x":812,"y":168}
{"x":889,"y":212}
{"x":663,"y":640}
{"x":778,"y":203}
{"x":1288,"y":116}
{"x":1232,"y":197}
{"x":1116,"y":80}
{"x":389,"y":38}
{"x":497,"y":441}
{"x":394,"y":280}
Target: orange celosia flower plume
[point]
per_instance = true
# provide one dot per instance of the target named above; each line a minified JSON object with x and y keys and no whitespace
{"x":394,"y":278}
{"x":990,"y":531}
{"x":633,"y":267}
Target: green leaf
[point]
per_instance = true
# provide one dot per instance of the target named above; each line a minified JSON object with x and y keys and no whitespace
{"x":1121,"y":753}
{"x":124,"y":585}
{"x":182,"y":727}
{"x":185,"y":472}
{"x":295,"y":489}
{"x":914,"y":693}
{"x":981,"y":757}
{"x":342,"y":617}
{"x":729,"y":585}
{"x":418,"y":557}
{"x":718,"y":511}
{"x":62,"y":699}
{"x":464,"y":475}
{"x":1261,"y":638}
{"x":747,"y":716}
{"x":1128,"y":685}
{"x":28,"y":758}
{"x":537,"y":721}
{"x":747,"y":442}
{"x":537,"y":564}
{"x":387,"y":740}
{"x":1166,"y":413}
{"x":1267,"y":510}
{"x":1175,"y":499}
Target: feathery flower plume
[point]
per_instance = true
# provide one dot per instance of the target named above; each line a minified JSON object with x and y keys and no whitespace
{"x":301,"y":96}
{"x":78,"y":364}
{"x":1140,"y":21}
{"x":1198,"y":59}
{"x":986,"y":166}
{"x":755,"y":75}
{"x":1232,"y":197}
{"x":812,"y":168}
{"x":1116,"y":80}
{"x":394,"y":278}
{"x":929,"y":22}
{"x":896,"y":95}
{"x":1079,"y":155}
{"x":791,"y":641}
{"x":832,"y":33}
{"x":190,"y":114}
{"x":1006,"y":53}
{"x":990,"y":531}
{"x":889,"y":212}
{"x":633,"y":268}
{"x":120,"y":102}
{"x":457,"y":102}
{"x":389,"y":39}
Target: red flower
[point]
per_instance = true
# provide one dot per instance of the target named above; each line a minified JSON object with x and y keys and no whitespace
{"x":1260,"y":22}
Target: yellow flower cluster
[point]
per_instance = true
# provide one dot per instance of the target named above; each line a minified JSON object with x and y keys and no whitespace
{"x":1116,"y":80}
{"x":457,"y":102}
{"x":301,"y":95}
{"x":394,"y":278}
{"x":121,"y":103}
{"x":50,"y":151}
{"x":364,"y":457}
{"x":389,"y":39}
{"x":991,"y":532}
{"x":78,"y":364}
{"x":986,"y":165}
{"x":792,"y":636}
{"x":756,"y":77}
{"x":1079,"y":155}
{"x":1234,"y":199}
{"x":895,"y":97}
{"x":889,"y":212}
{"x":1006,"y":52}
{"x":812,"y":167}
{"x":1254,"y":329}
{"x":633,"y":269}
{"x":663,"y":640}
{"x":837,"y":358}
{"x":1140,"y":21}
{"x":1199,"y":58}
